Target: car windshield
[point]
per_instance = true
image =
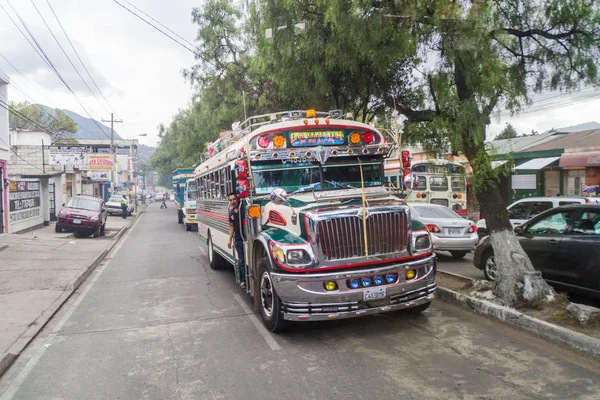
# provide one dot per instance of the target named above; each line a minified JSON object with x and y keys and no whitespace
{"x":115,"y":199}
{"x":435,"y":212}
{"x":84,"y":204}
{"x":308,"y":177}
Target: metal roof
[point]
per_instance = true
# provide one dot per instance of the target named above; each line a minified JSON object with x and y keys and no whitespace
{"x":515,"y":145}
{"x":574,"y":140}
{"x":537,"y":163}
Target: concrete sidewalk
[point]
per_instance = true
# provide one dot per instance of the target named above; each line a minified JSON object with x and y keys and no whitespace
{"x":40,"y":269}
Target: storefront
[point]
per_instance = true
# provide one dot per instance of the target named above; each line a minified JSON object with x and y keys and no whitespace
{"x":583,"y":173}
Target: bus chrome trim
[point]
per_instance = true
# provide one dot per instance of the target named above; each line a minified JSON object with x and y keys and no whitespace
{"x":338,"y":235}
{"x":308,"y":288}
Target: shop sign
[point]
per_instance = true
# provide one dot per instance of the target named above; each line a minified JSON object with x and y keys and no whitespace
{"x":67,"y":155}
{"x":100,"y":162}
{"x":24,"y":200}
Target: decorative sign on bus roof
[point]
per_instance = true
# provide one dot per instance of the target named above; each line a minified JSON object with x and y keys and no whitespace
{"x":318,"y":138}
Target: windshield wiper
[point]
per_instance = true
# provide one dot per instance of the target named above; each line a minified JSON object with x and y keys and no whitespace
{"x":302,"y":189}
{"x":334,"y":183}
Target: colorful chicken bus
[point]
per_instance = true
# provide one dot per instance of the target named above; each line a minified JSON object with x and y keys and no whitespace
{"x":435,"y":181}
{"x":323,"y":239}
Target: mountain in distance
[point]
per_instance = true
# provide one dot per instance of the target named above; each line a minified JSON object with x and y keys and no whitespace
{"x":586,"y":126}
{"x":86,"y":127}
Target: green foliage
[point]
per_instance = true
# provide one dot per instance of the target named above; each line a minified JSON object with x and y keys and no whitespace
{"x":509,"y":132}
{"x":61,"y":126}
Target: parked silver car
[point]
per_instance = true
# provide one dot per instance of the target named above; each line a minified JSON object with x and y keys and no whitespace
{"x":449,"y":231}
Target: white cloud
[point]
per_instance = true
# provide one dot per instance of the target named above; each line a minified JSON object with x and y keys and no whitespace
{"x":137,"y":68}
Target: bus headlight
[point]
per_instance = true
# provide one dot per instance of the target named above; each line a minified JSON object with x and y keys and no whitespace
{"x":298,"y":256}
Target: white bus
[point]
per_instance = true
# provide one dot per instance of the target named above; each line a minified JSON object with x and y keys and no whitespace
{"x":436,"y":181}
{"x":323,"y":239}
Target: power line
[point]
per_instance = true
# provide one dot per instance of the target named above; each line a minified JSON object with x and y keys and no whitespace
{"x":48,"y":61}
{"x":10,"y":109}
{"x":66,"y":55}
{"x":167,"y":35}
{"x":17,"y":154}
{"x":158,"y":22}
{"x":28,"y":97}
{"x":77,"y":54}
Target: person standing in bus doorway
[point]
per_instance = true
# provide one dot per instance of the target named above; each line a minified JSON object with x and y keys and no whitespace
{"x":236,"y":235}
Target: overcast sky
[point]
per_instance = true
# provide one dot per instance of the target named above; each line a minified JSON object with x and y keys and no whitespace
{"x":139,"y":70}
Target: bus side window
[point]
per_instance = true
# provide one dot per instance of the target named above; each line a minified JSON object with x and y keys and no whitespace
{"x":230,"y":179}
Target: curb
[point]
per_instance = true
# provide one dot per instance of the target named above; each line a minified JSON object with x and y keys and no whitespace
{"x":545,"y":329}
{"x":31,"y":333}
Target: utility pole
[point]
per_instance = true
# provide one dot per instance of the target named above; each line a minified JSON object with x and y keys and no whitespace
{"x":113,"y":149}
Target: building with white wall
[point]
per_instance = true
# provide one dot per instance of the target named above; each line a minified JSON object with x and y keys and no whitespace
{"x":4,"y":151}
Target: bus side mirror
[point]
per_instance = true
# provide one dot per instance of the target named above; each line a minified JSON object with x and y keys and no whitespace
{"x":278,"y":196}
{"x":409,"y":181}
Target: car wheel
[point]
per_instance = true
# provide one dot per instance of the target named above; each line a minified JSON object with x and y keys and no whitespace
{"x":97,"y":232}
{"x":458,"y":254}
{"x":489,"y":266}
{"x":57,"y":229}
{"x":270,"y":303}
{"x":102,"y":229}
{"x":188,"y":227}
{"x":214,"y":259}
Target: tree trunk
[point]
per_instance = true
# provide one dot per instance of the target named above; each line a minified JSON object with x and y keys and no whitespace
{"x":517,"y":282}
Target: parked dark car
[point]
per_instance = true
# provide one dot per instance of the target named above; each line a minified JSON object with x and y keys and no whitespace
{"x":563,"y":243}
{"x":83,"y":214}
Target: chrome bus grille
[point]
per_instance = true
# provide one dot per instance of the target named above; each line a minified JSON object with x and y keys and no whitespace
{"x":343,"y":237}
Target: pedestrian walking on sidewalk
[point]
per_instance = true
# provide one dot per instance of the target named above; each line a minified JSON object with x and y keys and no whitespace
{"x":124,"y":206}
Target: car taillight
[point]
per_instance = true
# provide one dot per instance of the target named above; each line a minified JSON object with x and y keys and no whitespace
{"x":472,"y":229}
{"x":433,"y":228}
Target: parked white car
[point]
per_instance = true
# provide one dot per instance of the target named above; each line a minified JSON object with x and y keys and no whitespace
{"x":449,"y":231}
{"x":523,"y":210}
{"x":113,"y":205}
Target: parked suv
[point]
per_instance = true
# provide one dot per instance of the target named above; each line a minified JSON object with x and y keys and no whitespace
{"x":563,"y":243}
{"x":523,"y":210}
{"x":83,"y":214}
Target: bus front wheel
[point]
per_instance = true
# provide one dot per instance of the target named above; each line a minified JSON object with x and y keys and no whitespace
{"x":270,"y":303}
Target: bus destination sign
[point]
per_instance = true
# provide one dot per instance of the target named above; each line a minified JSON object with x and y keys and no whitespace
{"x":318,"y":138}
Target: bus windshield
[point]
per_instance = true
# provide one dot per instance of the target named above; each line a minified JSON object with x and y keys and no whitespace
{"x":311,"y":177}
{"x":191,"y":191}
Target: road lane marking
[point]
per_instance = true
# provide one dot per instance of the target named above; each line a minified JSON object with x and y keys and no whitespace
{"x":259,"y":326}
{"x":16,"y":384}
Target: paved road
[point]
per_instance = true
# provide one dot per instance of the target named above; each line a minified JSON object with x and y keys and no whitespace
{"x":462,"y":267}
{"x":155,"y":322}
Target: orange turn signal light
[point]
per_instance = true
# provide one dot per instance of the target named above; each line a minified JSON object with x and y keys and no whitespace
{"x":254,"y":211}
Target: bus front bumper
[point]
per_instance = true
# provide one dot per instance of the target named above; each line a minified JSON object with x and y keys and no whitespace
{"x":305,"y":299}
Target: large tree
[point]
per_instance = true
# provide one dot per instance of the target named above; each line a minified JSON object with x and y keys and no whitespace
{"x":484,"y":56}
{"x":27,"y":116}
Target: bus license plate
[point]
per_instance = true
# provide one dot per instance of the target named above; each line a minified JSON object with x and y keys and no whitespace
{"x":454,"y":231}
{"x":77,"y":221}
{"x":374,"y":294}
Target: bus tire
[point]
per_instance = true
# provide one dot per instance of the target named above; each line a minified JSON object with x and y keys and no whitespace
{"x":270,"y":304}
{"x":188,"y":227}
{"x":214,"y":259}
